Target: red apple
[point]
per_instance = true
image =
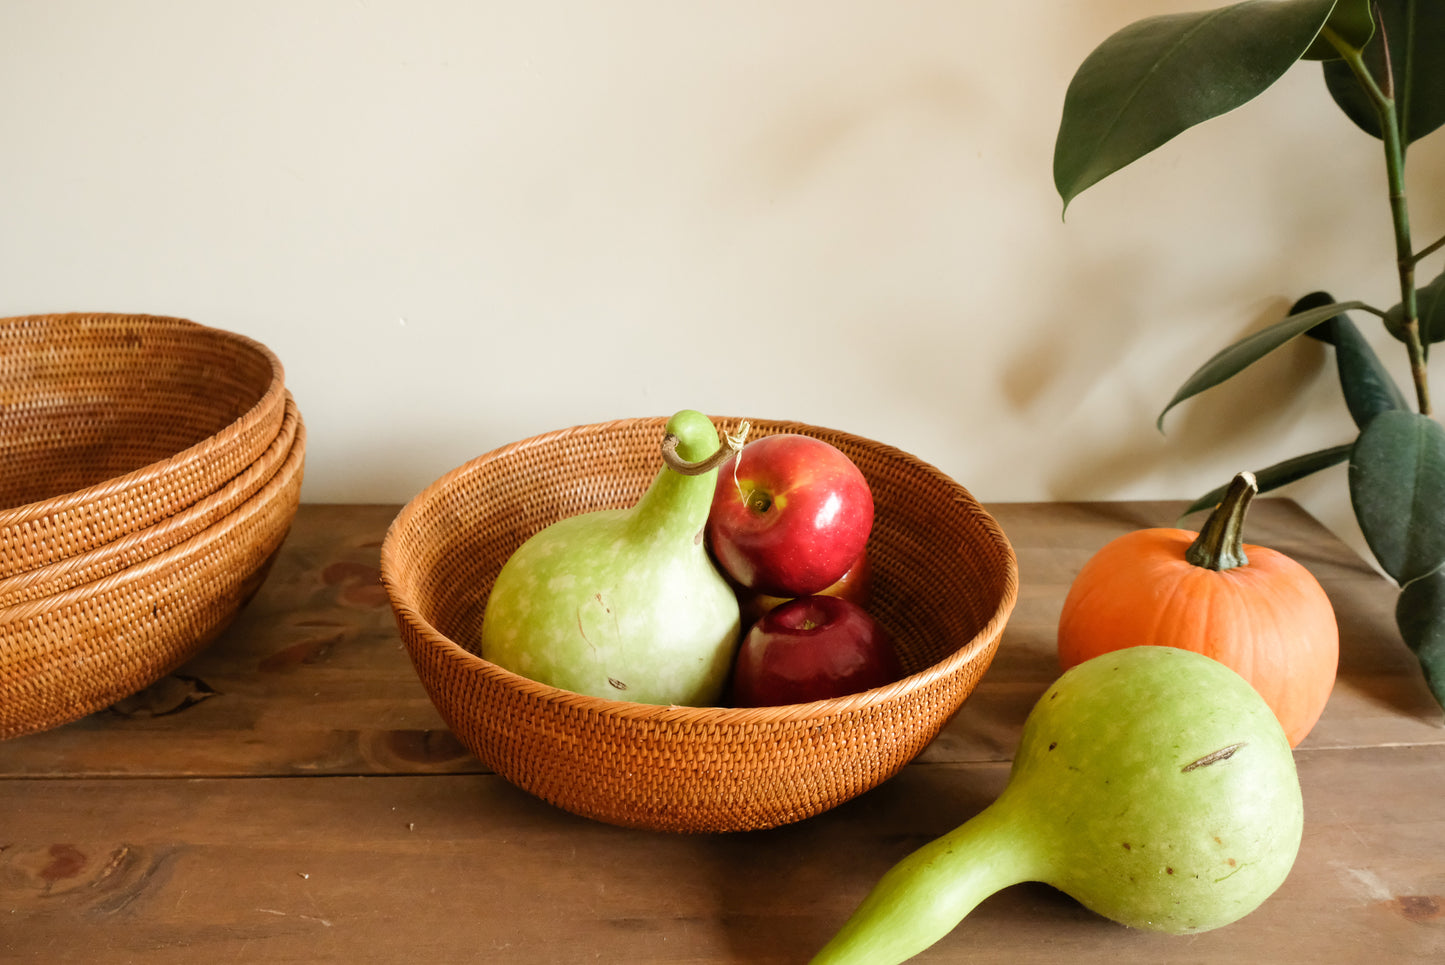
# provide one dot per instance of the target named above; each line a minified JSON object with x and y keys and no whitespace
{"x":790,"y":515}
{"x":812,"y":648}
{"x":855,"y":586}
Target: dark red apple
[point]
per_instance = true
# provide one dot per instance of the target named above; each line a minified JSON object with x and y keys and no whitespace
{"x":855,"y":586}
{"x":790,"y":515}
{"x":812,"y":648}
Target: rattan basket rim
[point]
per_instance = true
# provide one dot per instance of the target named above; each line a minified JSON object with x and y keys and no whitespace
{"x":274,"y":395}
{"x":704,"y":716}
{"x":28,"y":584}
{"x":144,"y":570}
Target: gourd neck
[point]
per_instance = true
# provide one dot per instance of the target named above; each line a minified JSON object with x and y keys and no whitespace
{"x":1220,"y":543}
{"x":681,"y":494}
{"x":924,"y":896}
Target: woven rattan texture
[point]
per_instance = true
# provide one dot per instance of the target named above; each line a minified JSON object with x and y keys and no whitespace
{"x":142,"y":544}
{"x":111,"y":423}
{"x":945,"y":582}
{"x":68,"y":655}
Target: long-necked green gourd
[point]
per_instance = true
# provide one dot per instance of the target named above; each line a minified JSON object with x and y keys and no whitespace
{"x":625,"y":603}
{"x":1152,"y":784}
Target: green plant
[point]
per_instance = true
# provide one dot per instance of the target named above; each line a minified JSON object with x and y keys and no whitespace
{"x":1384,"y":66}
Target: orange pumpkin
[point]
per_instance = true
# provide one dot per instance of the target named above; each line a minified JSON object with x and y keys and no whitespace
{"x":1253,"y":609}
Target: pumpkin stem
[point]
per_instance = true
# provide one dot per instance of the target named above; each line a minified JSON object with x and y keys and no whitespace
{"x":1220,"y":543}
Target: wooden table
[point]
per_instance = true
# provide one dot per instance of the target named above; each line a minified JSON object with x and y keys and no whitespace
{"x":292,"y":796}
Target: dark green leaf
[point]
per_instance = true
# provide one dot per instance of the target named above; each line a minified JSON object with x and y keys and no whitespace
{"x":1279,"y":474}
{"x":1231,"y":361}
{"x":1397,"y":489}
{"x":1322,"y":331}
{"x":1367,"y":386}
{"x":1160,"y":76}
{"x":1352,"y":21}
{"x":1415,"y":33}
{"x":1420,"y":615}
{"x":1430,"y":302}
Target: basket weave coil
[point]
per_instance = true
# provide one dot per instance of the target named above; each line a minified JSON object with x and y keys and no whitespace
{"x":150,"y":468}
{"x":68,"y":655}
{"x":142,"y":544}
{"x":112,"y":423}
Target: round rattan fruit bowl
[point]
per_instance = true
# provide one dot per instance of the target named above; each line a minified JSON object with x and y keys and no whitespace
{"x":944,"y":583}
{"x":112,"y":423}
{"x":77,"y":651}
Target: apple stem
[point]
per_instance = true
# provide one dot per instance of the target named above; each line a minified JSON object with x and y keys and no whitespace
{"x":680,"y":465}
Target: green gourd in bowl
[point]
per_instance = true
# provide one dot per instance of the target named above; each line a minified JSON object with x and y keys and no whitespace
{"x":625,"y":603}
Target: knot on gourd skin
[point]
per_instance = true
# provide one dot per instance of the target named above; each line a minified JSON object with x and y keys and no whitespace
{"x":1223,"y":754}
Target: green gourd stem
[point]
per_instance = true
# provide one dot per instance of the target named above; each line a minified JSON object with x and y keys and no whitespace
{"x":1220,"y":543}
{"x":674,"y":459}
{"x":690,"y":449}
{"x":923,"y":897}
{"x":683,"y":496}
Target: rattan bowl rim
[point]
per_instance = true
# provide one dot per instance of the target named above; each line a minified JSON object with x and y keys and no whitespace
{"x":292,"y":466}
{"x":982,"y":643}
{"x":32,"y":584}
{"x":272,"y":397}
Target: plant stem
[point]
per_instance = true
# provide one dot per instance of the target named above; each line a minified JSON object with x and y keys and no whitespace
{"x":1405,"y":257}
{"x":1430,"y":249}
{"x":1405,"y":254}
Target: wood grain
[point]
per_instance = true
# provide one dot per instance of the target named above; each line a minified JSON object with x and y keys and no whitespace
{"x":461,"y":868}
{"x":291,"y":796}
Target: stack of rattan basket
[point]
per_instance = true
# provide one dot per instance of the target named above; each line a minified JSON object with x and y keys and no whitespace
{"x":150,"y":468}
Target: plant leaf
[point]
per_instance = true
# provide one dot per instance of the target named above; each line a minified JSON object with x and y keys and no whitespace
{"x":1430,"y":303}
{"x":1352,"y":21}
{"x":1368,"y":387}
{"x":1420,"y":615}
{"x":1415,"y":33}
{"x":1323,"y":332}
{"x":1160,"y":76}
{"x":1397,"y":489}
{"x":1279,"y":474}
{"x":1231,"y":361}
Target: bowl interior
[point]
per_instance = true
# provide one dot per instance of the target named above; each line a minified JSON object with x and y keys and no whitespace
{"x":90,"y":398}
{"x":943,"y":572}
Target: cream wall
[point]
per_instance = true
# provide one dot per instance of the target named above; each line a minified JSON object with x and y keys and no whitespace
{"x":462,"y":223}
